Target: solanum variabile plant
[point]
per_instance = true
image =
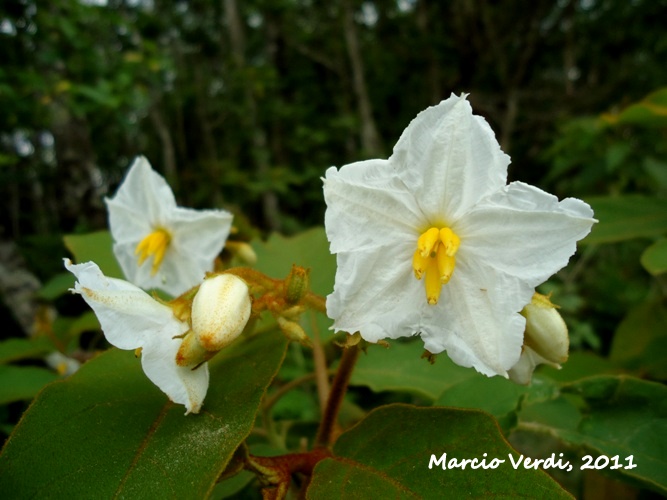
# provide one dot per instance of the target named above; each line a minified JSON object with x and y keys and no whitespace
{"x":430,"y":243}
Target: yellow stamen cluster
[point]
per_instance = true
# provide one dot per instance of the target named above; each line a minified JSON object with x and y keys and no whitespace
{"x":154,"y":245}
{"x":435,"y":258}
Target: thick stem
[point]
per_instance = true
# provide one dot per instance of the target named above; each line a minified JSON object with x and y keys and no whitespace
{"x":316,"y":302}
{"x":277,"y":471}
{"x":326,"y":433}
{"x":253,"y":277}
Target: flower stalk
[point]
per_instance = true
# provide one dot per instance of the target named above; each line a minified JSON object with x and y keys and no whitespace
{"x":326,"y":434}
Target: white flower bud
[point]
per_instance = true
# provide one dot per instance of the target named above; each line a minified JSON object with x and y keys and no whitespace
{"x":220,"y":311}
{"x":546,"y":332}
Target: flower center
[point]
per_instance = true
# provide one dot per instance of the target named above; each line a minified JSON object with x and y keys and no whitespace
{"x":435,"y":259}
{"x":154,"y":245}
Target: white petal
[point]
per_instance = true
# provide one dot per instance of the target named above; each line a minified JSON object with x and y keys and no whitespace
{"x":183,"y":385}
{"x":129,"y":316}
{"x":376,"y":293}
{"x":200,"y":234}
{"x":523,"y":231}
{"x":369,"y":207}
{"x":477,"y":319}
{"x":450,"y":159}
{"x":143,"y":201}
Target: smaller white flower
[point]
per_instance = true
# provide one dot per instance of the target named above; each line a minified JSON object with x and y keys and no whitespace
{"x":64,"y":365}
{"x":132,"y":319}
{"x":147,"y":226}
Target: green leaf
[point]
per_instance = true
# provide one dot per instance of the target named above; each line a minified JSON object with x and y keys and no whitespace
{"x":15,"y":349}
{"x":96,"y":247}
{"x":627,"y":217}
{"x":309,"y":249}
{"x":654,"y":258}
{"x":495,"y":395}
{"x":57,"y":286}
{"x":107,"y":431}
{"x":68,"y":329}
{"x":657,"y":170}
{"x":611,"y":415}
{"x":22,"y":382}
{"x":649,"y":112}
{"x":503,"y":398}
{"x":389,"y":453}
{"x":580,"y":364}
{"x":640,"y":341}
{"x":400,"y":368}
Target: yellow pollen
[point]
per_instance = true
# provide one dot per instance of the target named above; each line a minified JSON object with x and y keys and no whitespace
{"x":435,"y":259}
{"x":154,"y":245}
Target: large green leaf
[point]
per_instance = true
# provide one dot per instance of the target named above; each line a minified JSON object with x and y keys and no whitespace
{"x":18,"y":348}
{"x":503,"y":398}
{"x":627,"y":217}
{"x":109,"y":432}
{"x":654,"y":258}
{"x":640,"y":341}
{"x":22,"y":382}
{"x":496,"y":395}
{"x":390,"y":453}
{"x":96,"y":247}
{"x":611,"y":415}
{"x":401,"y":368}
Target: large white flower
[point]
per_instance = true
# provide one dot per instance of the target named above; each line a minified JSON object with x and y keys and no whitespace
{"x":146,"y":225}
{"x":434,"y":242}
{"x":132,"y":319}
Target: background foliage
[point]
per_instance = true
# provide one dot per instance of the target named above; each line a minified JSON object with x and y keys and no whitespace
{"x":243,"y":105}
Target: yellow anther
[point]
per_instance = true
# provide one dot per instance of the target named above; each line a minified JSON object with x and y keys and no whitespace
{"x":432,"y":283}
{"x":434,"y":259}
{"x":446,"y":264}
{"x":427,"y":242}
{"x":419,"y":264}
{"x":450,"y":241}
{"x":154,"y":245}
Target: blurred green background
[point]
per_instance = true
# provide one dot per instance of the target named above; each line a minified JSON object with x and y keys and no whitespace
{"x":244,"y":104}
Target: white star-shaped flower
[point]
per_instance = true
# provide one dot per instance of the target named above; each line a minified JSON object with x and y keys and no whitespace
{"x":434,"y":242}
{"x":132,"y":319}
{"x":180,"y":243}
